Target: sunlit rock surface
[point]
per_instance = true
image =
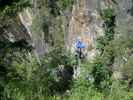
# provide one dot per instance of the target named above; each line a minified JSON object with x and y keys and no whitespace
{"x":85,"y":24}
{"x":13,"y":30}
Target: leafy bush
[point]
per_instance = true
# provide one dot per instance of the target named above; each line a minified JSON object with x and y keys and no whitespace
{"x":118,"y":92}
{"x":34,"y":82}
{"x":83,"y":90}
{"x":102,"y":70}
{"x":60,"y":61}
{"x":58,"y":6}
{"x":101,"y":75}
{"x":12,"y":7}
{"x":123,"y":54}
{"x":59,"y":56}
{"x":21,"y":77}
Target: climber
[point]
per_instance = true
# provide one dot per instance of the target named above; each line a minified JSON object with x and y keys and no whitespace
{"x":78,"y":48}
{"x":78,"y":45}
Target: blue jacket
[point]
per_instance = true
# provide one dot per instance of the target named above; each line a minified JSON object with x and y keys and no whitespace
{"x":79,"y":44}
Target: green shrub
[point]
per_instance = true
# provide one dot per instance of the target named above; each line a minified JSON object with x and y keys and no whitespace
{"x":82,"y":90}
{"x":101,"y":75}
{"x":102,"y":70}
{"x":12,"y":7}
{"x":53,"y":60}
{"x":59,"y":56}
{"x":28,"y":81}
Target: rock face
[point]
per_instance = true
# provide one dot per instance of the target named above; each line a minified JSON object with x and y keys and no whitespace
{"x":124,"y":18}
{"x":85,"y":24}
{"x":13,"y":31}
{"x":124,"y":23}
{"x":37,"y":39}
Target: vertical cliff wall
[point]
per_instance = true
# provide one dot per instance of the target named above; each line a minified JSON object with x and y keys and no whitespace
{"x":124,"y":17}
{"x":85,"y":24}
{"x":36,"y":37}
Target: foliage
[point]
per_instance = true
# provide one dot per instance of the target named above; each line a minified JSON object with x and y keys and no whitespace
{"x":109,"y":25}
{"x":82,"y":90}
{"x":49,"y":20}
{"x":102,"y":70}
{"x":12,"y":7}
{"x":56,"y":58}
{"x":34,"y":83}
{"x":101,"y":75}
{"x":58,"y":6}
{"x":106,"y":14}
{"x":59,"y":56}
{"x":22,"y":77}
{"x":123,"y":53}
{"x":118,"y":92}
